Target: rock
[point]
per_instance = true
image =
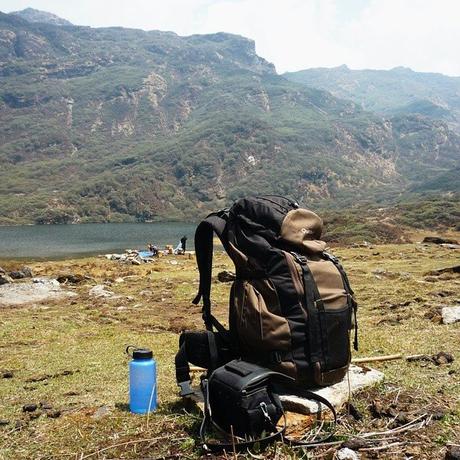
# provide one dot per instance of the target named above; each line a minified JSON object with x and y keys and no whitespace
{"x":442,"y":358}
{"x":2,"y":271}
{"x":136,"y":262}
{"x":380,"y":273}
{"x":450,"y":315}
{"x":37,"y":290}
{"x":23,"y":272}
{"x":29,"y":407}
{"x":6,"y":374}
{"x":4,"y":422}
{"x":102,"y":412}
{"x":356,"y":443}
{"x":453,"y":452}
{"x":438,"y":240}
{"x":226,"y":276}
{"x":450,"y":246}
{"x":45,"y":405}
{"x":54,"y":414}
{"x":439,"y":271}
{"x":100,"y":291}
{"x":27,"y":271}
{"x":346,"y":454}
{"x":337,"y":394}
{"x":72,"y":279}
{"x":5,"y":279}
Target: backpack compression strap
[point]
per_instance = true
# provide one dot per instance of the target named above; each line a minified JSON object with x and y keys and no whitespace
{"x":214,"y":223}
{"x":349,"y":291}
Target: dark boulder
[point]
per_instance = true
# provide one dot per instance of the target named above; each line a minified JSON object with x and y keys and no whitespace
{"x":5,"y":279}
{"x":438,"y":240}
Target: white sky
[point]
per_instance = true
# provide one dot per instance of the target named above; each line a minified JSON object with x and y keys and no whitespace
{"x":294,"y":34}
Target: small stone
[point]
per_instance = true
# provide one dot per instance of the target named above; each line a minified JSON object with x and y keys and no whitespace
{"x":46,"y":405}
{"x":54,"y":414}
{"x":27,"y":271}
{"x":102,"y":412}
{"x":6,"y":374}
{"x":346,"y":454}
{"x":5,"y":279}
{"x":442,"y":358}
{"x":4,"y":422}
{"x":17,"y":275}
{"x":453,"y":453}
{"x":29,"y":407}
{"x":450,"y":315}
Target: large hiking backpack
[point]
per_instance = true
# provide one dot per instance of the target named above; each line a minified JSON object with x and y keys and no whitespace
{"x":291,"y":304}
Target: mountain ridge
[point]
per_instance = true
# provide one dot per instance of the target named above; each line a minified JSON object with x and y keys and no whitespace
{"x":110,"y":124}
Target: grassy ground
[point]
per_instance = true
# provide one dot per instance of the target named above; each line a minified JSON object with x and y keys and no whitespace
{"x":69,"y":356}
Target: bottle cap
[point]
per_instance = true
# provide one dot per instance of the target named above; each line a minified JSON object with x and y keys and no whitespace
{"x":142,"y":353}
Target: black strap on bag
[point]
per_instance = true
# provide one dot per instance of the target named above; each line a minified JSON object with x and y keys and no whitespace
{"x":205,"y":353}
{"x":214,"y":223}
{"x":349,"y":291}
{"x":314,"y":304}
{"x":314,"y":397}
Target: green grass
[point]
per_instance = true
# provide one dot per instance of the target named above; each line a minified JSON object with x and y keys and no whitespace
{"x":88,"y":337}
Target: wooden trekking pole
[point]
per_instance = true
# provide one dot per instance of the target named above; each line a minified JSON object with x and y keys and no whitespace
{"x":370,"y":359}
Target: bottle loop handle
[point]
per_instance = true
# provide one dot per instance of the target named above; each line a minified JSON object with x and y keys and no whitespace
{"x":127,"y":349}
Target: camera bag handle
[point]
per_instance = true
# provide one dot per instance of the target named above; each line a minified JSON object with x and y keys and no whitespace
{"x":238,"y":446}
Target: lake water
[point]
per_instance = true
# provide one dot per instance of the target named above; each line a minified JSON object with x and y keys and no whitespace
{"x":66,"y":241}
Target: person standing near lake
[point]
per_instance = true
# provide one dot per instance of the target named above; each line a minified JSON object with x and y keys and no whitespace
{"x":180,"y":249}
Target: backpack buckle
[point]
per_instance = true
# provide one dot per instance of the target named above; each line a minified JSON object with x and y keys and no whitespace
{"x":300,"y":259}
{"x":185,"y":388}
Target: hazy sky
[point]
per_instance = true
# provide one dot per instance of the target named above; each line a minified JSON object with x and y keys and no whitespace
{"x":295,"y":34}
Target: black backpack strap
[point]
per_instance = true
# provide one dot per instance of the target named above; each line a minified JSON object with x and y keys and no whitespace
{"x":183,"y":371}
{"x":214,"y":223}
{"x":183,"y":357}
{"x":314,"y":304}
{"x":348,"y":290}
{"x":315,"y":397}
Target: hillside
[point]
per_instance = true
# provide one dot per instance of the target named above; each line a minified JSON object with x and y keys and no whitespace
{"x":117,"y":124}
{"x":390,"y":92}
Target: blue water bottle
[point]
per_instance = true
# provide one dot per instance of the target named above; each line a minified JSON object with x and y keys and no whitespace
{"x":142,"y":380}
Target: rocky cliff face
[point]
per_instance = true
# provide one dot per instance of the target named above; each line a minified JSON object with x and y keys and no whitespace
{"x":115,"y":124}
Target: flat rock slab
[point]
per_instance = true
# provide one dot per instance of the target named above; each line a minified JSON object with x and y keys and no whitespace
{"x":337,"y":394}
{"x":450,"y":315}
{"x":37,"y":290}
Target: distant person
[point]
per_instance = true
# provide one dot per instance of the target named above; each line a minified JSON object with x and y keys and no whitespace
{"x":180,"y":249}
{"x":183,"y":242}
{"x":153,"y":249}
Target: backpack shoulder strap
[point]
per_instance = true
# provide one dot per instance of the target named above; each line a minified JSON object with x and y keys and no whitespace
{"x":214,"y":223}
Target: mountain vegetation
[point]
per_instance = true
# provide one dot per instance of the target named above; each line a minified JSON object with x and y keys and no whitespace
{"x":114,"y":124}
